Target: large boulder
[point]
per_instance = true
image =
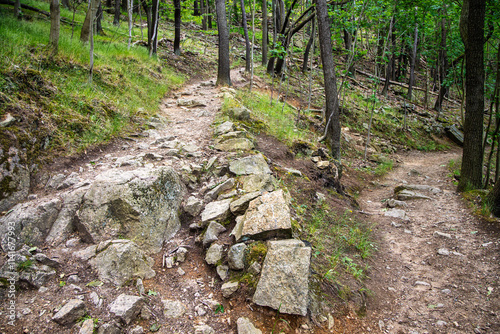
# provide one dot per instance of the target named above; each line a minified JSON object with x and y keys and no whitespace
{"x":142,"y":205}
{"x":121,"y":261}
{"x":267,"y":216}
{"x":28,"y":223}
{"x":70,"y":312}
{"x":284,"y":282}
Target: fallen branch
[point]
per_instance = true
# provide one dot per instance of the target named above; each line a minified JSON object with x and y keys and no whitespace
{"x":34,"y":9}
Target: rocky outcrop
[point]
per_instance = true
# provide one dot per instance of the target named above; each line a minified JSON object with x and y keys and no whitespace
{"x":284,"y":281}
{"x":14,"y":178}
{"x":120,"y":261}
{"x":141,"y":205}
{"x":267,"y":216}
{"x":254,"y":164}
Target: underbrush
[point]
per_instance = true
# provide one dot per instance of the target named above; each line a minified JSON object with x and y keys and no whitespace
{"x":53,"y":100}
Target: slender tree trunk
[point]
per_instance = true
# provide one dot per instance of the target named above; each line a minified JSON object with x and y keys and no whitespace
{"x":88,"y":24}
{"x":390,"y":65}
{"x":116,"y":19}
{"x":177,"y":22}
{"x":331,"y":104}
{"x":55,"y":22}
{"x":223,"y":70}
{"x":412,"y":66}
{"x":443,"y":57}
{"x":204,"y":15}
{"x":253,"y":41}
{"x":130,"y":5}
{"x":196,"y":10}
{"x":264,"y":32}
{"x":154,"y":26}
{"x":98,"y":20}
{"x":247,"y":41}
{"x":91,"y":38}
{"x":209,"y":13}
{"x":308,"y":47}
{"x":472,"y":158}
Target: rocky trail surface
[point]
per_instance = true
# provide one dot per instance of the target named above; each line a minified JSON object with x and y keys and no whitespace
{"x":182,"y":228}
{"x":437,"y":269}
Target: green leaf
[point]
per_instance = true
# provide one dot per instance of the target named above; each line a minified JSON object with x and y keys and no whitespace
{"x":95,"y":283}
{"x":155,"y":327}
{"x":152,"y":293}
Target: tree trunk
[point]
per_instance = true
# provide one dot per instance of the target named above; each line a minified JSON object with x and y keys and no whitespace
{"x":17,"y":9}
{"x":130,"y":7}
{"x":308,"y":47}
{"x":89,"y":19}
{"x":412,"y":65}
{"x":247,"y":41}
{"x":209,"y":14}
{"x":332,"y":130}
{"x":204,"y":15}
{"x":154,"y":27}
{"x":223,"y":70}
{"x":472,"y":158}
{"x":264,"y":32}
{"x":116,"y":19}
{"x":196,"y":10}
{"x":443,"y":57}
{"x":55,"y":23}
{"x":98,"y":20}
{"x":177,"y":22}
{"x":390,"y":64}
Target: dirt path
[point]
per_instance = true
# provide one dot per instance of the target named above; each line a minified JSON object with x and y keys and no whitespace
{"x":437,"y":270}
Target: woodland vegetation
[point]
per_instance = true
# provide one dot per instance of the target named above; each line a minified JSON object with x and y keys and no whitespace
{"x":433,"y":51}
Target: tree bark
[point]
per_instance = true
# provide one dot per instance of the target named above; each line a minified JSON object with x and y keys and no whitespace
{"x":443,"y":62}
{"x":245,"y":30}
{"x":196,"y":10}
{"x":472,"y":157}
{"x":116,"y":19}
{"x":203,"y":15}
{"x":209,"y":14}
{"x":390,"y":65}
{"x":412,"y":64}
{"x":17,"y":9}
{"x":264,"y":32}
{"x":223,"y":70}
{"x":98,"y":20}
{"x":88,"y":24}
{"x":154,"y":27}
{"x":332,"y":130}
{"x":130,"y":7}
{"x":177,"y":23}
{"x":308,"y":46}
{"x":55,"y":23}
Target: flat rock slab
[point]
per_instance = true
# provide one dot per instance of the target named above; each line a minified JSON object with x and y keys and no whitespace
{"x":284,"y":282}
{"x":245,"y":326}
{"x":254,"y":164}
{"x":267,"y":216}
{"x":419,"y":187}
{"x":235,"y":144}
{"x":395,"y":213}
{"x":406,"y":194}
{"x":216,"y":211}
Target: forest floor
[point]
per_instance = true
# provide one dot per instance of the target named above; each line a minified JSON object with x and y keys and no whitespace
{"x":436,"y":271}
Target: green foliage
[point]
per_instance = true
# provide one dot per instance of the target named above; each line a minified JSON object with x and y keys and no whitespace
{"x":127,"y":84}
{"x":152,"y":293}
{"x":256,"y":252}
{"x":94,"y":284}
{"x":384,"y":167}
{"x":219,"y":309}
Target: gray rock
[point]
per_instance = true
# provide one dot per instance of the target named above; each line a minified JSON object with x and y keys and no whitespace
{"x":15,"y":178}
{"x":71,"y":243}
{"x":30,"y":223}
{"x":212,"y":194}
{"x":8,"y":121}
{"x":64,"y":224}
{"x":200,"y":310}
{"x":442,"y":235}
{"x":190,"y":103}
{"x":212,"y":232}
{"x":222,"y":271}
{"x":87,"y":327}
{"x":242,"y":113}
{"x":70,"y":312}
{"x":236,"y":256}
{"x":284,"y":281}
{"x":394,"y":203}
{"x":95,"y":299}
{"x":216,"y":211}
{"x":44,"y":259}
{"x":69,"y":181}
{"x":235,"y":144}
{"x":193,"y":206}
{"x":224,"y":128}
{"x":419,"y":187}
{"x":34,"y":275}
{"x":245,"y":326}
{"x":254,"y":164}
{"x":443,"y":251}
{"x":137,"y":330}
{"x":203,"y":329}
{"x":141,"y":205}
{"x":255,"y":268}
{"x":214,"y":253}
{"x":128,"y":160}
{"x":395,"y":213}
{"x":86,"y":253}
{"x":140,"y":287}
{"x":173,"y":308}
{"x":181,"y":254}
{"x":74,"y":279}
{"x":229,"y":288}
{"x":109,"y":328}
{"x":126,"y":307}
{"x":257,"y":182}
{"x":241,"y":204}
{"x":267,"y":216}
{"x":405,"y":195}
{"x":122,"y":261}
{"x":55,"y":181}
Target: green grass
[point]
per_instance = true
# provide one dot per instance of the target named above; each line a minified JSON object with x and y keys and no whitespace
{"x":126,"y":89}
{"x":278,"y":121}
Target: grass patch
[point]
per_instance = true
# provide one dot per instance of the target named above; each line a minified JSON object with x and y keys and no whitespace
{"x":53,"y":99}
